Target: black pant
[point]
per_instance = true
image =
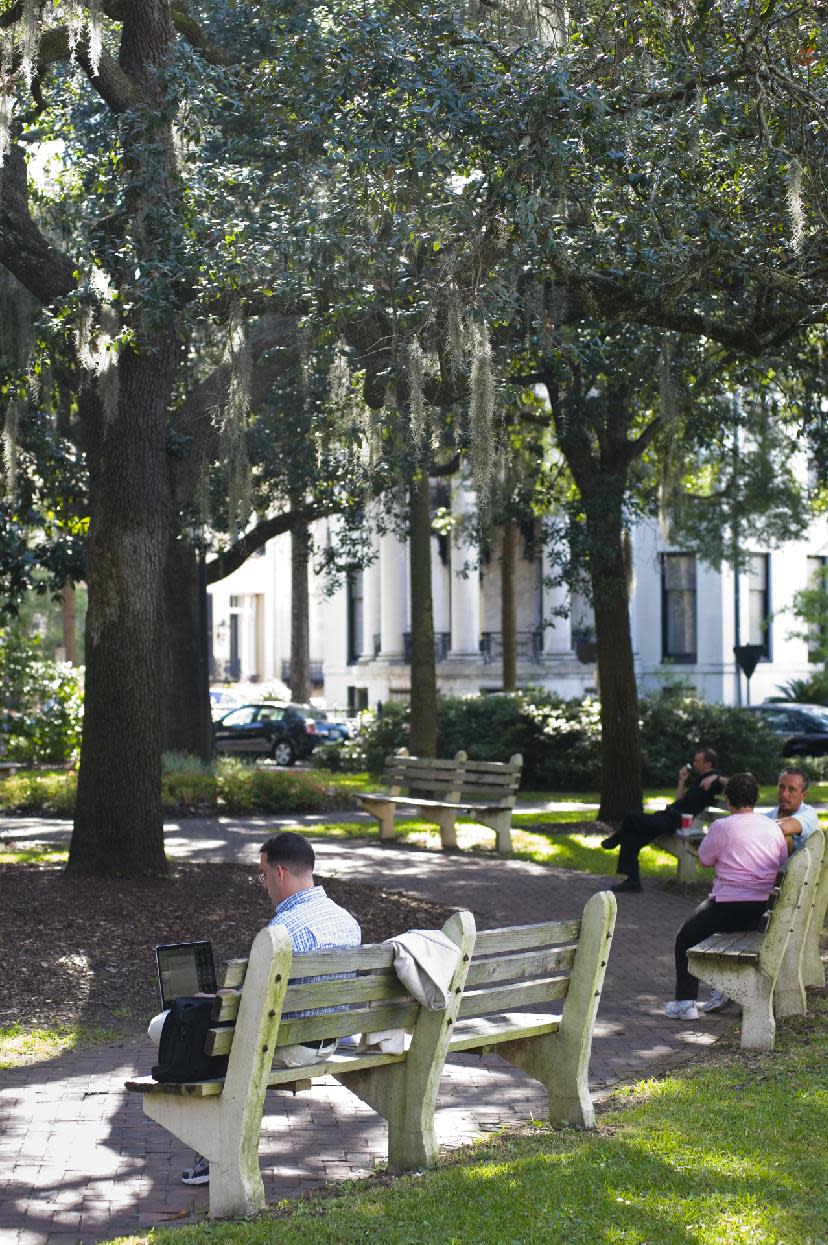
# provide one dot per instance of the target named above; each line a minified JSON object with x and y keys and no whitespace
{"x":638,"y":829}
{"x":711,"y":918}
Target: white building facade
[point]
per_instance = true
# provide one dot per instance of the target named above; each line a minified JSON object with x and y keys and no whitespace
{"x":683,"y":616}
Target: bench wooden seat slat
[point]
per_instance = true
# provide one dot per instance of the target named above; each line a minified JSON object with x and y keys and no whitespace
{"x":485,"y":1031}
{"x":516,"y":994}
{"x":517,"y":967}
{"x":521,"y":937}
{"x":743,"y":947}
{"x":234,"y":973}
{"x":442,"y":789}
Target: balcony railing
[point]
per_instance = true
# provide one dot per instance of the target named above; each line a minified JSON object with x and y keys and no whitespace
{"x":314,"y":670}
{"x":528,"y":645}
{"x":442,"y":645}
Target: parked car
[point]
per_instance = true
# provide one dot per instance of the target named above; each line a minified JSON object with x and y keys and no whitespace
{"x":803,"y":728}
{"x":329,"y":732}
{"x":283,"y":732}
{"x":222,"y":701}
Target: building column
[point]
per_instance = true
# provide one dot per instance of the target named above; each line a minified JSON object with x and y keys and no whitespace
{"x":465,"y":590}
{"x":557,"y":631}
{"x":393,"y":563}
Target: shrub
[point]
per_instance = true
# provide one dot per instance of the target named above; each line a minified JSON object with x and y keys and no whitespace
{"x":246,"y":788}
{"x":810,"y":691}
{"x":672,"y":726}
{"x":41,"y":705}
{"x":39,"y":792}
{"x":560,"y":741}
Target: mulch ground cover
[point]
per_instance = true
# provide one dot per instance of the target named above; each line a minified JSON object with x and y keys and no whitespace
{"x":81,"y":949}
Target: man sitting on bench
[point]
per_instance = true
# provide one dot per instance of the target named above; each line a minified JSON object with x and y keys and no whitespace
{"x":314,"y":922}
{"x":638,"y":829}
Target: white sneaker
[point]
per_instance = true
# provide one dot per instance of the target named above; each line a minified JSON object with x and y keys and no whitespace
{"x":716,"y":1001}
{"x":682,"y":1009}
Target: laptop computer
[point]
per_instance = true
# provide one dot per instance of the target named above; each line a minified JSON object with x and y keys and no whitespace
{"x":184,"y":968}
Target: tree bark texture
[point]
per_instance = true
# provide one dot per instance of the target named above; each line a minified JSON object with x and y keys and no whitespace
{"x":180,"y":702}
{"x":508,"y":605}
{"x":299,"y":616}
{"x":118,"y":819}
{"x":620,"y":732}
{"x":423,"y":728}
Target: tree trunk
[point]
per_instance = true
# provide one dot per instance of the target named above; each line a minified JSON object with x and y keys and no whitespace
{"x":180,"y":699}
{"x":69,"y":621}
{"x":620,"y":733}
{"x":299,"y":616}
{"x":423,"y":728}
{"x":508,"y":605}
{"x":118,"y":819}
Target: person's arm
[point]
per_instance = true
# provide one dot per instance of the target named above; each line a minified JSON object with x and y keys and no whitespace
{"x":798,"y":827}
{"x":709,"y":846}
{"x":713,"y":780}
{"x":681,"y":785}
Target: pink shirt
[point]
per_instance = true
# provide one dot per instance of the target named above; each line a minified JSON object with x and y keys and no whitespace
{"x":748,"y":851}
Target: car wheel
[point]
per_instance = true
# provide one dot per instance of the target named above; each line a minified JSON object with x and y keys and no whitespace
{"x":283,"y":752}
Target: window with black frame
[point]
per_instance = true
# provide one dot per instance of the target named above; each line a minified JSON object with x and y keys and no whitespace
{"x":678,"y":607}
{"x":759,"y":617}
{"x":355,"y":616}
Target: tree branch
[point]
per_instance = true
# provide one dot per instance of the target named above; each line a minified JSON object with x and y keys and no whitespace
{"x":44,"y":270}
{"x":224,"y":565}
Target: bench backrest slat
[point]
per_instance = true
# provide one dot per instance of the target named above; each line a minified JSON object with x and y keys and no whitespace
{"x":513,"y":995}
{"x":520,"y":967}
{"x":395,"y":1015}
{"x":524,"y":937}
{"x":791,"y":895}
{"x":368,"y":989}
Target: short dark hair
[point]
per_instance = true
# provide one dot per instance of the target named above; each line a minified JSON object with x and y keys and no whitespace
{"x":291,"y":850}
{"x":742,"y":791}
{"x":796,"y":769}
{"x":710,"y":754}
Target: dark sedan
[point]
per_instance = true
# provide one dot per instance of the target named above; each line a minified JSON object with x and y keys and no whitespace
{"x":282,"y":732}
{"x":803,"y":728}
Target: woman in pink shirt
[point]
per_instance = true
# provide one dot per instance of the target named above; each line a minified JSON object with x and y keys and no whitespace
{"x":747,"y":851}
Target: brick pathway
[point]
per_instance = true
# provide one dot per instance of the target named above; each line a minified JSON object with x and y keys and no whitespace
{"x":79,"y":1162}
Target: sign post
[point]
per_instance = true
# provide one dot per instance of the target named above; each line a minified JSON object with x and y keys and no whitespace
{"x":747,"y":655}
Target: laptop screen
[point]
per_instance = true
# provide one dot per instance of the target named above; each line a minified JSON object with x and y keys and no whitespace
{"x":185,"y":968}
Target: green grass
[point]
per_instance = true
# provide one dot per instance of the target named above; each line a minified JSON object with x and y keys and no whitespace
{"x":20,"y":1046}
{"x":731,"y":1152}
{"x":32,"y":856}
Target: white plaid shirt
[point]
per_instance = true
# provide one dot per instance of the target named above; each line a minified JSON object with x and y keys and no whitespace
{"x":316,"y":923}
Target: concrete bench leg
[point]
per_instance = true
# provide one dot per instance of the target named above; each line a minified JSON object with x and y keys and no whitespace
{"x":687,"y":865}
{"x":758,"y":1024}
{"x":501,"y":823}
{"x":446,"y":819}
{"x":405,"y":1094}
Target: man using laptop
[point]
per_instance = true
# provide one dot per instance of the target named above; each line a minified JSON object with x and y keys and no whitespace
{"x":314,"y":922}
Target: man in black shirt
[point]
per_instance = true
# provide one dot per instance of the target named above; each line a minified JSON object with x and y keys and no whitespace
{"x":637,"y":829}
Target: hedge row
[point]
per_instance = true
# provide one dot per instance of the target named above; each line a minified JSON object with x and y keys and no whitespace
{"x":228,"y":787}
{"x":560,"y":741}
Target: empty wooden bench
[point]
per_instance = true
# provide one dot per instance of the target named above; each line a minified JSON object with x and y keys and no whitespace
{"x":441,"y":790}
{"x":558,"y":962}
{"x":762,"y":969}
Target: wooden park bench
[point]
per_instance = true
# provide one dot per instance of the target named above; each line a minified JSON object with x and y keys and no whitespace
{"x":684,"y":848}
{"x":762,"y":969}
{"x":558,"y":962}
{"x":813,"y":970}
{"x":8,"y":768}
{"x":441,"y":790}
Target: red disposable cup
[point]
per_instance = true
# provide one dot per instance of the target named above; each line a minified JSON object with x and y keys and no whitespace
{"x":686,"y":821}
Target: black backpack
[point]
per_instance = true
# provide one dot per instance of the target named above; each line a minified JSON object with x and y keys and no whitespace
{"x":181,"y":1049}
